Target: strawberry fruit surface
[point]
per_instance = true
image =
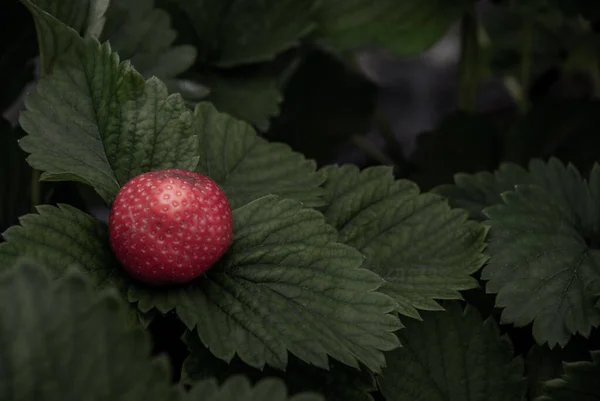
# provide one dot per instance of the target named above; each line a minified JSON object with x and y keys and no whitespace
{"x":170,"y":226}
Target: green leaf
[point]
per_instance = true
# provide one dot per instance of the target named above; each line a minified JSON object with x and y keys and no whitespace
{"x":542,"y":364}
{"x":61,"y":341}
{"x":541,"y":266}
{"x":339,"y":383}
{"x":246,"y":31}
{"x":453,"y":355}
{"x":284,"y":285}
{"x":477,"y":191}
{"x":142,"y":33}
{"x":404,"y":28}
{"x":87,"y":17}
{"x":238,"y":388}
{"x":60,"y":238}
{"x":580,"y":382}
{"x":95,"y":120}
{"x":248,"y":167}
{"x":422,"y":248}
{"x":15,"y":178}
{"x":255,"y":99}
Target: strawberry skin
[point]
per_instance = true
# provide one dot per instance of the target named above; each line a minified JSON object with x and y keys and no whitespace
{"x":169,"y":226}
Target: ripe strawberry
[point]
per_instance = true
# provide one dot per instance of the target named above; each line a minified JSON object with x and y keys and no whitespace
{"x":170,"y":226}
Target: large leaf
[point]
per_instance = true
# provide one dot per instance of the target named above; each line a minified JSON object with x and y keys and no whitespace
{"x":239,"y":389}
{"x":339,"y":383}
{"x":284,"y":285}
{"x":422,"y":248}
{"x":541,"y":266}
{"x":246,"y":31}
{"x":87,"y":17}
{"x":580,"y":382}
{"x":61,"y":341}
{"x":142,"y":33}
{"x":248,"y":167}
{"x":453,"y":355}
{"x":15,"y":178}
{"x":404,"y":28}
{"x":95,"y":120}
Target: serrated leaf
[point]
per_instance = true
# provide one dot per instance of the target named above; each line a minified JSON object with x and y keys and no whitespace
{"x":422,"y":248}
{"x":246,"y":31}
{"x":284,"y":285}
{"x":60,"y":238}
{"x":541,"y":266}
{"x":142,"y":33}
{"x":453,"y":355}
{"x":404,"y":28}
{"x":15,"y":178}
{"x":339,"y":383}
{"x":95,"y":120}
{"x":580,"y":382}
{"x":238,"y":388}
{"x":247,"y":166}
{"x":475,"y":192}
{"x":255,"y":99}
{"x":61,"y":341}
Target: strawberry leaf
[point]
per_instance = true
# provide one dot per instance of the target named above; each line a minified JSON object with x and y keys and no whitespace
{"x":475,"y":192}
{"x":139,"y":32}
{"x":61,"y":238}
{"x":95,"y":120}
{"x":245,"y":31}
{"x":242,"y":163}
{"x":238,"y":388}
{"x":541,"y":266}
{"x":339,"y":383}
{"x":61,"y":341}
{"x":15,"y":178}
{"x":580,"y":382}
{"x":284,"y":285}
{"x":453,"y":355}
{"x":87,"y":17}
{"x":404,"y":28}
{"x":422,"y":248}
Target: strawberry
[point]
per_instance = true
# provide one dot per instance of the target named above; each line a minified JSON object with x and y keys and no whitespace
{"x":169,"y":226}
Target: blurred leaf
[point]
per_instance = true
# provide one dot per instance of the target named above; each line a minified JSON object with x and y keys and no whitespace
{"x":61,"y":341}
{"x":404,"y":28}
{"x":579,"y":382}
{"x":254,"y":98}
{"x":239,"y":389}
{"x":542,"y":364}
{"x":142,"y":33}
{"x":339,"y":383}
{"x":238,"y":32}
{"x":453,"y":355}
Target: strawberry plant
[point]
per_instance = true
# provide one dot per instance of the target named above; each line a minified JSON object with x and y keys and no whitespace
{"x":178,"y":222}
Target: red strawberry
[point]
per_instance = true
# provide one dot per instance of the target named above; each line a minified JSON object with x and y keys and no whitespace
{"x":170,"y":226}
